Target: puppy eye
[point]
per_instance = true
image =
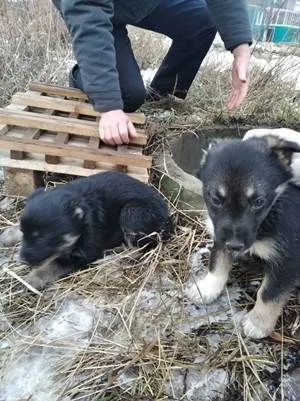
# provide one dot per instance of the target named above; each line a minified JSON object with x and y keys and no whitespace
{"x":217,"y":201}
{"x":258,"y":203}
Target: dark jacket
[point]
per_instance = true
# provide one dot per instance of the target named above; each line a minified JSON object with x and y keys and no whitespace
{"x":90,"y":23}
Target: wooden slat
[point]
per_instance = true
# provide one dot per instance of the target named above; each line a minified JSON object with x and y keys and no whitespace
{"x":14,"y":107}
{"x":70,"y":106}
{"x":62,"y":138}
{"x":15,"y":154}
{"x":94,"y":143}
{"x":129,"y":150}
{"x":104,"y":155}
{"x":57,"y":90}
{"x":62,"y":168}
{"x":58,"y":124}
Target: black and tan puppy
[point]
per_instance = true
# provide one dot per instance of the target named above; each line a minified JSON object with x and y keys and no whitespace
{"x":255,"y":210}
{"x":66,"y":228}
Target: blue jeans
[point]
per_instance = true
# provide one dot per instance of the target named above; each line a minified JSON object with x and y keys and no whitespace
{"x":189,"y":24}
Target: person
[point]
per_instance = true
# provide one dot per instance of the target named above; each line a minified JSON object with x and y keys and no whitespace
{"x":106,"y":68}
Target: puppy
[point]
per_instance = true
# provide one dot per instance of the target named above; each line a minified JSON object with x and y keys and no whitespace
{"x":255,"y":210}
{"x":66,"y":228}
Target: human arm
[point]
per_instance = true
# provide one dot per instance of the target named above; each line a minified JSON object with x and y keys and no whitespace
{"x":90,"y":27}
{"x":232,"y":21}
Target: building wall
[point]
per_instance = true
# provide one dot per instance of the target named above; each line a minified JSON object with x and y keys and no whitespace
{"x":290,"y":5}
{"x":275,"y":25}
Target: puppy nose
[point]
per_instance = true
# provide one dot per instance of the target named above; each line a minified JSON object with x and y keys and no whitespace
{"x":234,"y":246}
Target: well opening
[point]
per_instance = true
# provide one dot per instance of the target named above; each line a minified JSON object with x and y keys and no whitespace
{"x":187,"y":149}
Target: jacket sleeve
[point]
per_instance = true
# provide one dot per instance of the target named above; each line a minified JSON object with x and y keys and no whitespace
{"x":89,"y":24}
{"x":232,"y":21}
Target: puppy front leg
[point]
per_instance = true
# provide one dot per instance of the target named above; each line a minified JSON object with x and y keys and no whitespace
{"x":46,"y":274}
{"x":210,"y":288}
{"x":261,"y":320}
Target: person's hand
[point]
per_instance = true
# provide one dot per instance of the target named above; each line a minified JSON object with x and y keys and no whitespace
{"x":240,"y":76}
{"x":115,"y":128}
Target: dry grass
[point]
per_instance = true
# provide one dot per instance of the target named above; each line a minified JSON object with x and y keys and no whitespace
{"x":33,"y":46}
{"x":270,"y":100}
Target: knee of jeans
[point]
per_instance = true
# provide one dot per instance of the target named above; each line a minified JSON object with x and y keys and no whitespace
{"x":134,"y":98}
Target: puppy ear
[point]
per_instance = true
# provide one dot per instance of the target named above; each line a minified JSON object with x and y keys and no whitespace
{"x":282,"y":148}
{"x":204,"y":157}
{"x":213,"y":143}
{"x":198,"y":172}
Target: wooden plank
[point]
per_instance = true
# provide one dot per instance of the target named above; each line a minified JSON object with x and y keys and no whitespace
{"x":128,"y":150}
{"x":57,"y":90}
{"x":62,"y":138}
{"x":15,"y":154}
{"x":104,"y":155}
{"x":94,"y":143}
{"x":14,"y":107}
{"x":70,"y":106}
{"x":63,"y":168}
{"x":58,"y":124}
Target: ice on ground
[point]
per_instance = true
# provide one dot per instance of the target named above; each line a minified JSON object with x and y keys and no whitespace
{"x":72,"y":322}
{"x":204,"y":385}
{"x":197,"y":384}
{"x":35,"y":355}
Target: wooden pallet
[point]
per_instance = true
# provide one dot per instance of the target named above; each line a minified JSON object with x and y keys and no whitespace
{"x":55,"y":129}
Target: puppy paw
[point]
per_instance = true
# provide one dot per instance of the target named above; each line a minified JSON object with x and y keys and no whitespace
{"x":37,"y":282}
{"x":206,"y":290}
{"x":254,"y":326}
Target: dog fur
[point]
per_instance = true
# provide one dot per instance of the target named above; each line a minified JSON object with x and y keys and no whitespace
{"x":254,"y":208}
{"x":66,"y":228}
